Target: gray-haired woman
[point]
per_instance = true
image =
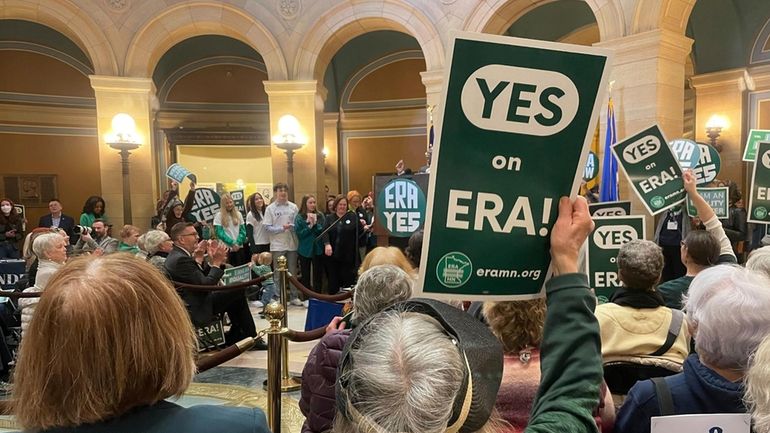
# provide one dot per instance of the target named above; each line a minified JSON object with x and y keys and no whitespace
{"x":51,"y":252}
{"x":158,"y":244}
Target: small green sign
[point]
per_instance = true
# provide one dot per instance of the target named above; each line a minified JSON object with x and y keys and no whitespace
{"x":717,"y":198}
{"x":652,"y":168}
{"x":401,"y":207}
{"x":610,"y":233}
{"x":518,"y":117}
{"x":210,"y":336}
{"x":592,"y":167}
{"x":237,"y":274}
{"x":708,"y":166}
{"x":239,"y":201}
{"x":755,"y":137}
{"x":610,"y":208}
{"x":759,"y":201}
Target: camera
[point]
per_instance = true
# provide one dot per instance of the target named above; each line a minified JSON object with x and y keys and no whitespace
{"x":82,"y":230}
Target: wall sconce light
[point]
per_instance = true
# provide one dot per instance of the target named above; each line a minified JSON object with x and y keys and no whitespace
{"x":325,"y":153}
{"x":124,"y":138}
{"x":289,"y":139}
{"x":714,"y":127}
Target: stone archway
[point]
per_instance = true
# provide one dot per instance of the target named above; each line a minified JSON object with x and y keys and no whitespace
{"x":68,"y":20}
{"x":495,"y":16}
{"x":188,"y":20}
{"x":323,"y":40}
{"x":670,"y":15}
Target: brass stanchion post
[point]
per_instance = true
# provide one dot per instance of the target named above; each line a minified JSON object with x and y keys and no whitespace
{"x":288,"y":383}
{"x":275,"y":313}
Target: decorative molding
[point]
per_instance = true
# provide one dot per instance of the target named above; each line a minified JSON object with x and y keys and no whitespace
{"x":47,"y":130}
{"x":654,"y":44}
{"x":61,"y":56}
{"x":211,"y":106}
{"x":234,"y":136}
{"x":56,"y":100}
{"x":755,"y":98}
{"x":197,"y":65}
{"x":722,"y":81}
{"x":122,"y":84}
{"x":359,"y":76}
{"x":288,"y":9}
{"x":758,"y":53}
{"x":117,"y":5}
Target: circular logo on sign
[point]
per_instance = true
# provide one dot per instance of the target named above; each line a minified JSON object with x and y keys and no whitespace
{"x":708,"y":166}
{"x":454,"y":269}
{"x":766,"y":159}
{"x":592,"y":167}
{"x":401,"y":207}
{"x":657,"y":202}
{"x":760,"y":212}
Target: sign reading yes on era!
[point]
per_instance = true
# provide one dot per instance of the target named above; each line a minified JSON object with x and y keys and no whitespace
{"x":652,"y":169}
{"x":510,"y":106}
{"x":610,"y":233}
{"x":759,"y":202}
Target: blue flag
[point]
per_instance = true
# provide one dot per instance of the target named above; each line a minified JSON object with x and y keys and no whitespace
{"x":608,"y":190}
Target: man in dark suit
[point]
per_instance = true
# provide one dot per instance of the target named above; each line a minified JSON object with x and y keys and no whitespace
{"x":57,"y":219}
{"x":185,"y":264}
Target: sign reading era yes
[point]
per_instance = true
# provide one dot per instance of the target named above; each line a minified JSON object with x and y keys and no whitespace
{"x":708,"y":165}
{"x":401,"y":207}
{"x":759,"y":201}
{"x":717,"y":198}
{"x":610,"y":233}
{"x":652,"y":169}
{"x":206,"y":205}
{"x":510,"y":105}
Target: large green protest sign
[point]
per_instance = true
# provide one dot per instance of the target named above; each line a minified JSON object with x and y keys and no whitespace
{"x":610,"y":233}
{"x":717,"y":198}
{"x":510,"y":106}
{"x":652,"y":168}
{"x":755,"y":137}
{"x":610,"y":208}
{"x":759,"y":201}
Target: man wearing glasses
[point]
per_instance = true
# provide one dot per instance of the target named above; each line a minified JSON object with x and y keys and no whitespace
{"x":186,"y":264}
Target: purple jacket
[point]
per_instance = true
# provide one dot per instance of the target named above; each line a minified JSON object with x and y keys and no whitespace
{"x":319,"y":377}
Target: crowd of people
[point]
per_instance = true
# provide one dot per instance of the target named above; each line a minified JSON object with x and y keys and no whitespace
{"x":698,"y":343}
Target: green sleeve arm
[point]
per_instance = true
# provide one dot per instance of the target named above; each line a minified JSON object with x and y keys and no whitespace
{"x":301,"y":227}
{"x":223,"y":236}
{"x":570,"y":364}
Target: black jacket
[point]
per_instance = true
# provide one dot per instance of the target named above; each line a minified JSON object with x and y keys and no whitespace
{"x":67,"y":223}
{"x":182,"y":268}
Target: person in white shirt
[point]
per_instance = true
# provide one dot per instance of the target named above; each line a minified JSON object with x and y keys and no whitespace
{"x":279,"y":222}
{"x":231,"y":230}
{"x":258,"y":235}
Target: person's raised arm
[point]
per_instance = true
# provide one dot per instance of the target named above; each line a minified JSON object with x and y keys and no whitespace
{"x":709,"y":218}
{"x":570,"y":365}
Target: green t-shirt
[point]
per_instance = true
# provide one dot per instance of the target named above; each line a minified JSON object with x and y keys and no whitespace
{"x":260,"y":270}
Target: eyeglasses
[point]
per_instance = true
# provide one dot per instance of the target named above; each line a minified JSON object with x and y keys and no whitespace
{"x":190,"y":234}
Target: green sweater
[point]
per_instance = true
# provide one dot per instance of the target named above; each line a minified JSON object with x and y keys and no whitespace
{"x":571,"y":362}
{"x":306,"y":236}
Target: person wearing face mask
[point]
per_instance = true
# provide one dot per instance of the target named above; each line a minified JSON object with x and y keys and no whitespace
{"x":11,"y":231}
{"x":98,"y":241}
{"x":56,"y":218}
{"x":231,"y":230}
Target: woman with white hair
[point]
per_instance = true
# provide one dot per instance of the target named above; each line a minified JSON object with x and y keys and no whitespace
{"x":378,"y":288}
{"x":158,"y":244}
{"x":726,"y":309}
{"x":51,"y":252}
{"x":758,"y":387}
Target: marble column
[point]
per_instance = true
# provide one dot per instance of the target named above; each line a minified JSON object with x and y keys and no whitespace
{"x":131,"y":96}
